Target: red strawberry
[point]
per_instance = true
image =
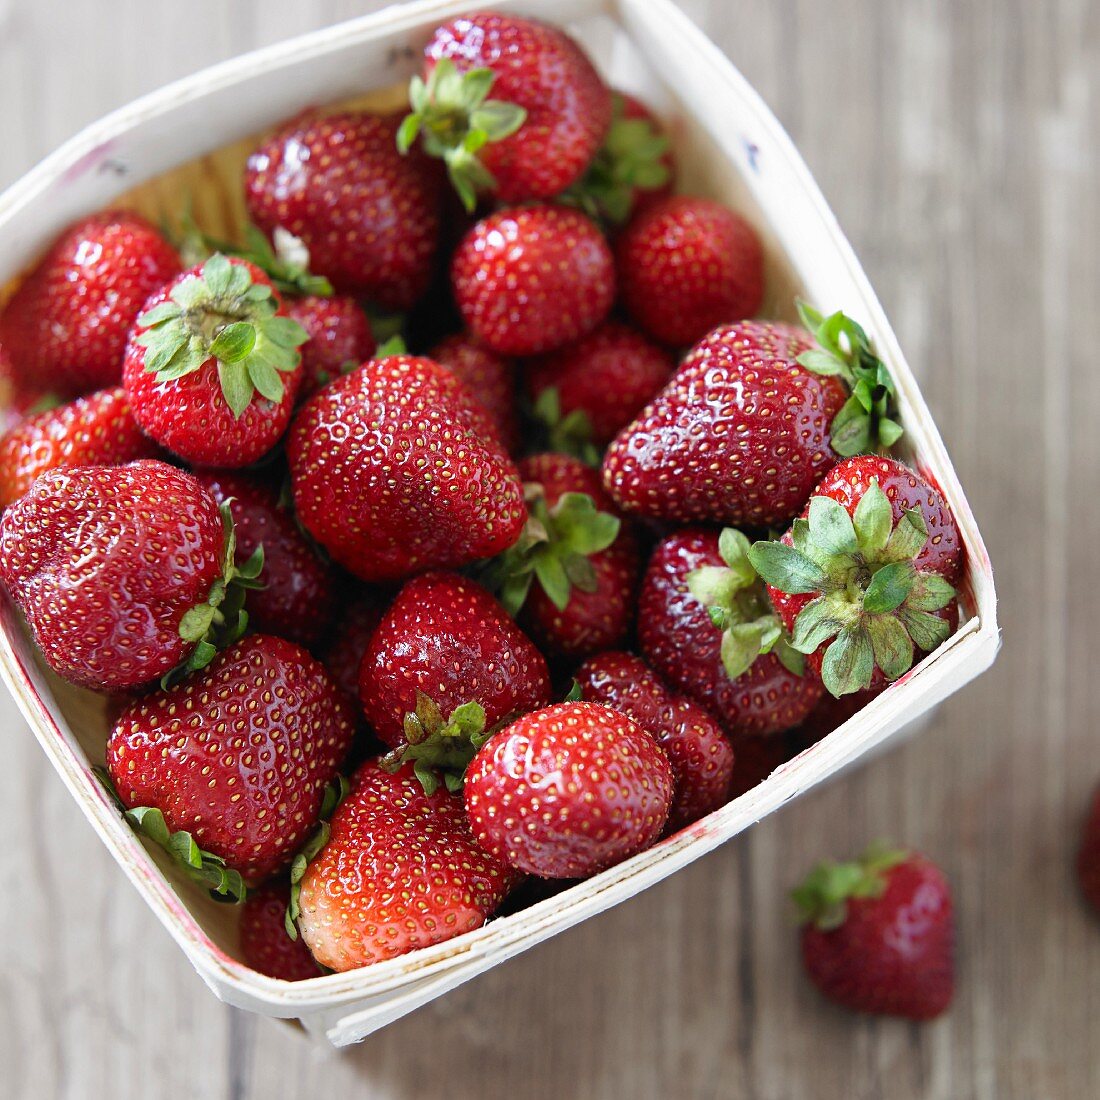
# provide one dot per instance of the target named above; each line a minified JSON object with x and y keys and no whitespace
{"x":344,"y":654}
{"x":829,"y":714}
{"x":1088,"y":855}
{"x":588,"y":392}
{"x":701,"y":756}
{"x":400,"y":871}
{"x":488,"y":377}
{"x":686,"y":265}
{"x":96,"y":430}
{"x":264,"y":943}
{"x":706,"y":627}
{"x":17,"y":399}
{"x":446,"y":638}
{"x":298,"y":599}
{"x":211,"y":369}
{"x":65,"y":328}
{"x":532,"y":278}
{"x":879,"y":934}
{"x":368,"y":216}
{"x":121,"y":571}
{"x":634,"y":110}
{"x":568,"y":791}
{"x":757,"y":758}
{"x":237,"y":755}
{"x":866,"y":577}
{"x":339,"y":334}
{"x":396,"y":468}
{"x":536,"y":136}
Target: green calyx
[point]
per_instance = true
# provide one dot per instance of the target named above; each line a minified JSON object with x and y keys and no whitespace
{"x":222,"y":314}
{"x":570,"y":434}
{"x":822,"y":899}
{"x":872,"y":605}
{"x":454,"y":118}
{"x":867,"y":422}
{"x":203,"y":868}
{"x":738,"y":605}
{"x":335,"y":793}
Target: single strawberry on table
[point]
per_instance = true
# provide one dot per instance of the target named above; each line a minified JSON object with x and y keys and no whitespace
{"x":488,"y":377}
{"x":265,"y":945}
{"x":339,"y":338}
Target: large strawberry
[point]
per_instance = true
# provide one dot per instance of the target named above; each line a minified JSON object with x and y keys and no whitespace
{"x":396,"y":468}
{"x":96,"y":430}
{"x":488,"y":377}
{"x":866,"y":576}
{"x":537,"y":134}
{"x":65,"y":328}
{"x":264,"y":943}
{"x":530,"y":279}
{"x":339,"y":338}
{"x":368,"y":217}
{"x":401,"y":870}
{"x":706,"y":626}
{"x":123,"y":572}
{"x":212,"y":367}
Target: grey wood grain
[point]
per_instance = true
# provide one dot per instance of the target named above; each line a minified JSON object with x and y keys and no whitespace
{"x":958,"y":144}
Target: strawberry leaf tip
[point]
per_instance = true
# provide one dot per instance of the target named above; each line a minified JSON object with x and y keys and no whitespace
{"x":335,"y":793}
{"x":570,"y":434}
{"x":822,"y":898}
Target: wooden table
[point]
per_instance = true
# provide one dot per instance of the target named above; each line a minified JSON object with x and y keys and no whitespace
{"x":958,"y":144}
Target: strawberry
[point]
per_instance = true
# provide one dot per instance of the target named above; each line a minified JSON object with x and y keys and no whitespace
{"x":237,"y":755}
{"x":348,"y":642}
{"x":757,"y":758}
{"x":396,"y":468}
{"x":212,"y":368}
{"x":488,"y":377}
{"x":401,"y":870}
{"x":878,"y":934}
{"x":533,"y":278}
{"x":568,"y":791}
{"x":340,"y":338}
{"x":706,"y":627}
{"x":866,"y":576}
{"x":588,"y":392}
{"x":123,"y":572}
{"x":1088,"y":855}
{"x":701,"y":757}
{"x":18,"y":400}
{"x":96,"y":430}
{"x":368,"y":217}
{"x":264,"y":943}
{"x":535,"y":137}
{"x":829,"y":714}
{"x":65,"y":328}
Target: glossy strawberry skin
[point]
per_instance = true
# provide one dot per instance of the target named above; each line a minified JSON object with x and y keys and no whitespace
{"x":350,"y":639}
{"x":396,"y":468}
{"x":369,"y":217}
{"x":1088,"y":854}
{"x":96,"y":430}
{"x":488,"y":377}
{"x":701,"y":756}
{"x":541,"y":69}
{"x":446,"y":636}
{"x":65,"y":328}
{"x":400,"y":871}
{"x":740,"y":435}
{"x":340,"y":338}
{"x":687,"y":265}
{"x":237,"y":754}
{"x":265,"y":945}
{"x":104,"y":562}
{"x":568,"y":791}
{"x":532,"y":279}
{"x":683,"y":646}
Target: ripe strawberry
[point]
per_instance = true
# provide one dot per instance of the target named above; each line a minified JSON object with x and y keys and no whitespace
{"x":65,"y":328}
{"x":123,"y":572}
{"x":879,"y":935}
{"x":96,"y":430}
{"x":18,"y":400}
{"x":238,"y":755}
{"x":757,"y":758}
{"x":829,"y":714}
{"x":1088,"y":855}
{"x":401,"y":870}
{"x":348,"y":642}
{"x":706,"y":627}
{"x":533,"y":278}
{"x":549,"y":111}
{"x":340,"y":338}
{"x":396,"y":468}
{"x":264,"y":943}
{"x":211,"y":370}
{"x":866,"y":576}
{"x":568,"y":791}
{"x":488,"y":377}
{"x":701,"y":757}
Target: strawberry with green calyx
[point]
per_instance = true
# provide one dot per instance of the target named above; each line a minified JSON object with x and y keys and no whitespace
{"x":334,"y":793}
{"x":569,"y":433}
{"x":265,"y":945}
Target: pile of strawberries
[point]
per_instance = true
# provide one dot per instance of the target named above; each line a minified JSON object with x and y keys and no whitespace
{"x":592,"y":558}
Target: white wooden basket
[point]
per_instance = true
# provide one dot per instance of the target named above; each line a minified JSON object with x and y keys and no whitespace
{"x":189,"y":139}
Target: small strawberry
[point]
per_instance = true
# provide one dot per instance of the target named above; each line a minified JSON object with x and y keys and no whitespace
{"x":878,"y":934}
{"x":368,"y":217}
{"x":123,"y":572}
{"x":396,"y":468}
{"x":348,"y":642}
{"x":700,"y":754}
{"x":532,"y":279}
{"x":212,"y":367}
{"x":488,"y":377}
{"x":96,"y":430}
{"x":536,"y":136}
{"x":866,"y":576}
{"x":264,"y":943}
{"x":401,"y":870}
{"x":706,"y":627}
{"x":1088,"y":855}
{"x":65,"y":328}
{"x":339,"y":338}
